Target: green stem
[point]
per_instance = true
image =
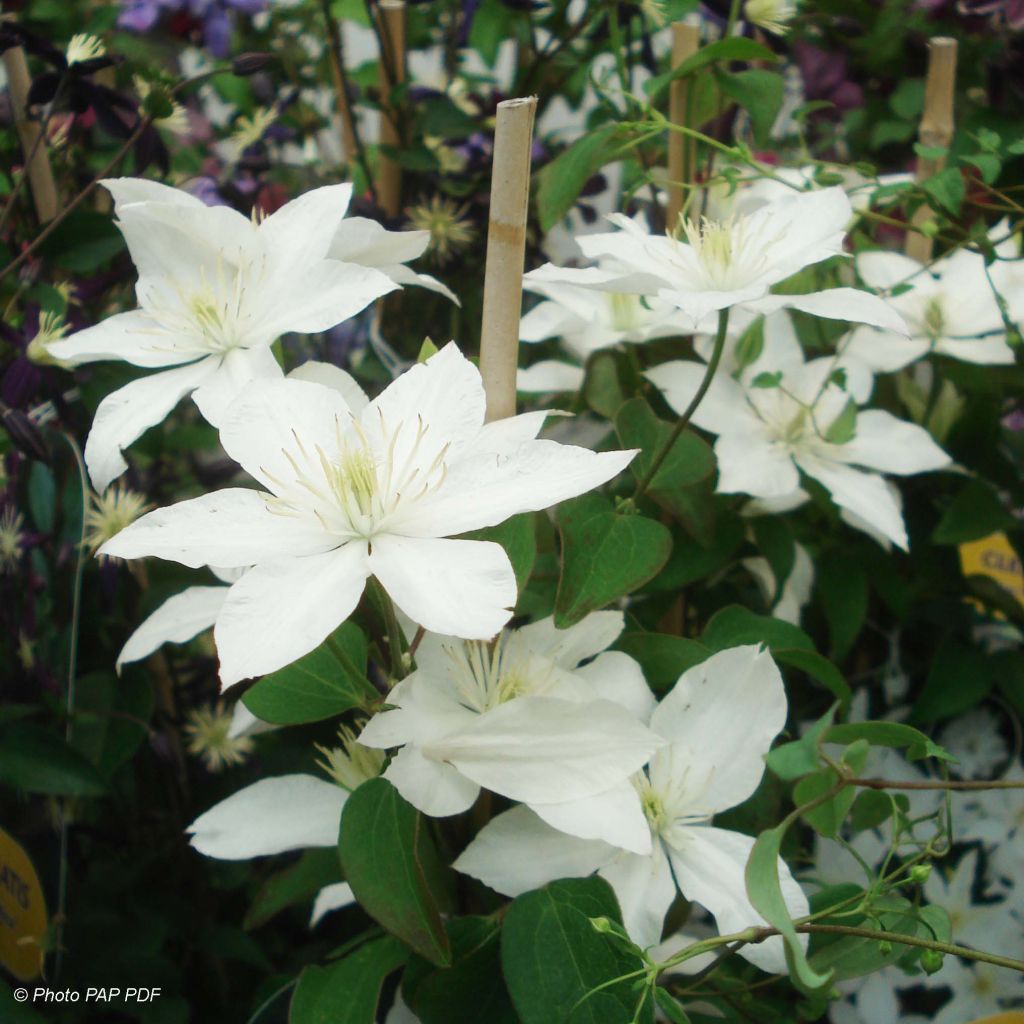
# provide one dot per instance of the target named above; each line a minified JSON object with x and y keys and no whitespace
{"x":734,"y":17}
{"x":981,"y":784}
{"x":619,"y":49}
{"x":683,"y":421}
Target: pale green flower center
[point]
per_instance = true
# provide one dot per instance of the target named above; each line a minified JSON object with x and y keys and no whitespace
{"x":351,"y":764}
{"x":488,"y":674}
{"x":11,"y":539}
{"x":772,"y":15}
{"x":110,"y":512}
{"x":83,"y":47}
{"x":626,"y":312}
{"x":208,"y":733}
{"x":934,"y":319}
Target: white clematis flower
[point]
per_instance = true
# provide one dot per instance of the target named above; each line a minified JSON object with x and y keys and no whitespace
{"x":352,"y":492}
{"x":215,"y":290}
{"x":733,"y":263}
{"x":804,"y":422}
{"x":587,"y":321}
{"x":714,"y":760}
{"x":524,"y":719}
{"x":950,"y":309}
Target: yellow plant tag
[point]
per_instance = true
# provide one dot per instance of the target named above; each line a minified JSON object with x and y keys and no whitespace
{"x":1010,"y":1017}
{"x":993,"y":556}
{"x":22,"y":911}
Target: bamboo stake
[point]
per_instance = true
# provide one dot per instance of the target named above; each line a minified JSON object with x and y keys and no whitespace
{"x":336,"y":57}
{"x":37,"y":160}
{"x":392,"y":73}
{"x":682,"y":151}
{"x":506,"y":250}
{"x":936,"y":129}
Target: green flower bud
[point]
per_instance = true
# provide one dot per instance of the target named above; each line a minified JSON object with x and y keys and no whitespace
{"x":931,"y":961}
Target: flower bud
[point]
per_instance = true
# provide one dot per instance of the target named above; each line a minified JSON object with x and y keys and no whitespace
{"x":919,"y":873}
{"x":246,"y":64}
{"x":931,"y":961}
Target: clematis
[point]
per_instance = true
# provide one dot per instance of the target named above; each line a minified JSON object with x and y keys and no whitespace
{"x":523,"y":718}
{"x":354,"y":488}
{"x":215,"y":290}
{"x":800,"y":420}
{"x":950,"y":309}
{"x":713,"y":760}
{"x":717,"y":265}
{"x":587,"y":321}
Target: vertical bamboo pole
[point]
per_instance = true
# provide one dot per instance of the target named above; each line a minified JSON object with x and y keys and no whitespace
{"x":682,"y":152}
{"x":936,"y":129}
{"x":336,"y":57}
{"x":33,"y":145}
{"x":392,"y":73}
{"x":506,"y":250}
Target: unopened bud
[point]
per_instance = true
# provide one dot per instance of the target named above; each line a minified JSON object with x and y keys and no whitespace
{"x":25,"y":435}
{"x":931,"y":961}
{"x":885,"y":947}
{"x":246,"y":64}
{"x":919,"y":873}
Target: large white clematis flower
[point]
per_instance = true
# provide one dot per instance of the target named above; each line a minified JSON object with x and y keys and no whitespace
{"x":950,"y":309}
{"x":733,"y":263}
{"x":805,"y":423}
{"x":215,"y":290}
{"x":356,"y":488}
{"x":719,"y":721}
{"x":587,"y":321}
{"x":523,"y":718}
{"x":364,"y":241}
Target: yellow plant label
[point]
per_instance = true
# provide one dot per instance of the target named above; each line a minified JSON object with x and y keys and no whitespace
{"x":22,"y":911}
{"x":1011,"y":1017}
{"x":993,"y":556}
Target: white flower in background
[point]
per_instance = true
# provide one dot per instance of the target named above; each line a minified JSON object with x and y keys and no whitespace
{"x":979,"y":989}
{"x":803,"y":421}
{"x":975,"y":740}
{"x":367,"y":243}
{"x":522,"y":717}
{"x":950,"y":309}
{"x":796,"y":591}
{"x":354,"y":489}
{"x":874,"y":999}
{"x":587,"y":321}
{"x":771,"y":15}
{"x":718,"y":265}
{"x":215,"y":290}
{"x":719,"y":721}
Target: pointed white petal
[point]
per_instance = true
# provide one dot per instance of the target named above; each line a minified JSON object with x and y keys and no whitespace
{"x":302,"y":230}
{"x":231,"y":527}
{"x":850,"y":304}
{"x":129,"y":412}
{"x":548,"y":376}
{"x":891,"y":445}
{"x":884,"y":351}
{"x":245,"y":723}
{"x":699,"y":716}
{"x":364,"y":241}
{"x":331,"y":897}
{"x":751,"y":463}
{"x":568,"y":647}
{"x":331,"y":376}
{"x":404,"y":276}
{"x":617,"y":677}
{"x":724,"y":406}
{"x":982,"y":351}
{"x":288,"y":812}
{"x":709,"y":865}
{"x":239,"y":368}
{"x":178,"y":619}
{"x":281,"y":610}
{"x":645,"y":890}
{"x":460,"y":588}
{"x":143,"y":190}
{"x":431,"y":786}
{"x":516,"y":852}
{"x":615,"y":817}
{"x":132,"y":337}
{"x":884,"y":270}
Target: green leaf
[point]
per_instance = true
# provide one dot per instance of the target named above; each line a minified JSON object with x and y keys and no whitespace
{"x":605,"y":555}
{"x":682,"y":484}
{"x":844,"y":427}
{"x":733,"y":626}
{"x":82,"y":242}
{"x":427,"y":349}
{"x":975,"y":512}
{"x":989,"y":166}
{"x":691,"y":561}
{"x":767,"y":380}
{"x":317,"y":686}
{"x":888,"y":734}
{"x":36,"y":760}
{"x":560,"y":183}
{"x":42,"y":496}
{"x":817,"y":667}
{"x":869,"y":810}
{"x":826,"y":819}
{"x":110,"y":719}
{"x":842,"y":588}
{"x":301,"y":881}
{"x":774,"y":538}
{"x":518,"y":537}
{"x":669,"y":1007}
{"x":602,"y":388}
{"x":734,"y":48}
{"x":800,"y":757}
{"x":553,"y":957}
{"x":959,"y":677}
{"x":947,"y":189}
{"x":662,"y":657}
{"x":472,"y":989}
{"x":395,"y":872}
{"x":759,"y":92}
{"x":765,"y":895}
{"x":348,"y":990}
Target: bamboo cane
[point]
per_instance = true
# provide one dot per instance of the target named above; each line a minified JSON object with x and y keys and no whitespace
{"x":936,"y":130}
{"x":506,"y":249}
{"x":37,"y":160}
{"x":392,"y":73}
{"x":682,"y":152}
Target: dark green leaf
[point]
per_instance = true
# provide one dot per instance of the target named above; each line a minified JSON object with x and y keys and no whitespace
{"x":791,"y":760}
{"x":37,"y":760}
{"x":759,"y":92}
{"x":517,"y":536}
{"x":82,"y":242}
{"x":844,"y":427}
{"x":947,"y":189}
{"x":959,"y":677}
{"x":734,"y":625}
{"x":42,"y":496}
{"x":559,"y":184}
{"x":974,"y":513}
{"x":663,"y":658}
{"x":302,"y":881}
{"x":888,"y":734}
{"x":734,"y":48}
{"x":395,"y":872}
{"x":842,"y":588}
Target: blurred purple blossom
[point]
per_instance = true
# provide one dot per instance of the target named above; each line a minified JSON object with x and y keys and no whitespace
{"x":214,"y":15}
{"x":824,"y":77}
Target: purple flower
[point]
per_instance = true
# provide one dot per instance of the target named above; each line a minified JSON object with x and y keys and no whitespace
{"x":824,"y":76}
{"x":214,"y":15}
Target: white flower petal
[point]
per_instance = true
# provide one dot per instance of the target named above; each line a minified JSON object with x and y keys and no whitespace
{"x":289,"y":812}
{"x":281,"y":610}
{"x":699,"y":714}
{"x":431,"y":786}
{"x":850,"y":304}
{"x":144,"y":190}
{"x":615,"y":817}
{"x":132,"y":337}
{"x":724,"y":406}
{"x":331,"y":376}
{"x":302,"y":230}
{"x":457,"y":587}
{"x":231,"y":527}
{"x":884,"y":351}
{"x":331,"y":897}
{"x":617,"y":677}
{"x":516,"y":852}
{"x":891,"y":445}
{"x":753,"y":464}
{"x":550,"y":375}
{"x":992,"y":351}
{"x":177,"y":620}
{"x":884,"y":270}
{"x":645,"y":890}
{"x":568,"y":647}
{"x":364,"y":241}
{"x":239,"y":368}
{"x":710,"y":864}
{"x":129,"y":412}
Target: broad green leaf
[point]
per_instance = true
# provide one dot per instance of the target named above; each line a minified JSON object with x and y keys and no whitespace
{"x":602,"y":388}
{"x":37,"y":760}
{"x":817,"y":667}
{"x":844,"y":427}
{"x":605,"y":555}
{"x":691,"y":561}
{"x":947,"y":189}
{"x":800,"y":757}
{"x":110,"y":718}
{"x":560,"y":183}
{"x":472,"y":989}
{"x":733,"y":626}
{"x":842,"y":588}
{"x":83,"y":242}
{"x":975,"y":512}
{"x":759,"y":92}
{"x":42,"y":496}
{"x":669,"y":1007}
{"x":390,"y":861}
{"x":301,"y":881}
{"x":553,"y":957}
{"x":662,"y":657}
{"x":317,"y":686}
{"x":774,"y":538}
{"x":346,"y":991}
{"x":734,"y":48}
{"x":869,"y":810}
{"x":888,"y":734}
{"x":960,"y":676}
{"x":827,"y":818}
{"x":518,"y":537}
